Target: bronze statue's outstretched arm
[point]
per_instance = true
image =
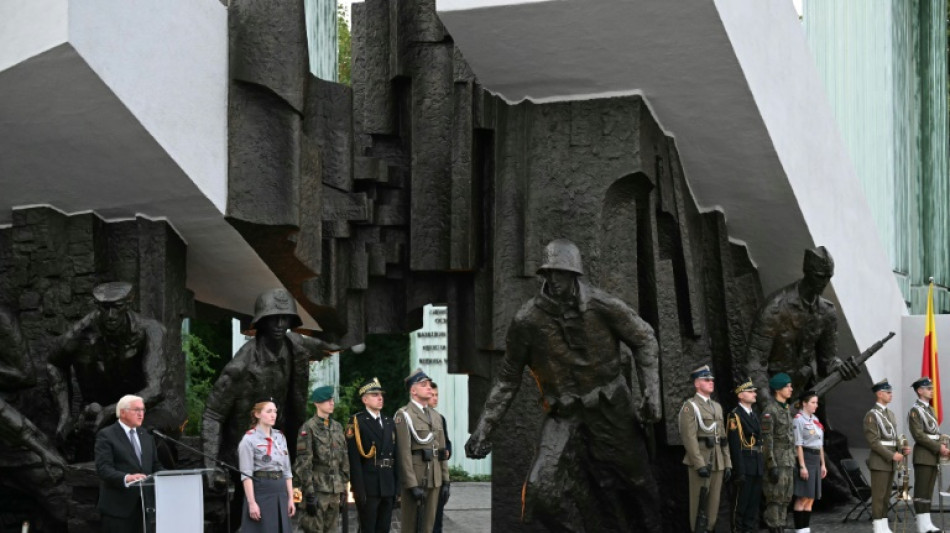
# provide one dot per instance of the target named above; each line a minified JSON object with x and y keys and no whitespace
{"x":638,"y":335}
{"x":502,"y":393}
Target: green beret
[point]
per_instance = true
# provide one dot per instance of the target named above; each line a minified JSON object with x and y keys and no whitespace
{"x":779,"y":381}
{"x":322,"y":394}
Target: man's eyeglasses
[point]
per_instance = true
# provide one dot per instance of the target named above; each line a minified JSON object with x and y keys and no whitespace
{"x":135,"y":409}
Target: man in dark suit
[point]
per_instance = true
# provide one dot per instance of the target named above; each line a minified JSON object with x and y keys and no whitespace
{"x":371,"y":443}
{"x":748,"y":463}
{"x":125,"y":455}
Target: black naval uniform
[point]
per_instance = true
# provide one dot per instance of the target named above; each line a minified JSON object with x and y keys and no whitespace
{"x":372,"y":479}
{"x":748,"y":465}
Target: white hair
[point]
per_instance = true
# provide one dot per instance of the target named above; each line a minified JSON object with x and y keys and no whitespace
{"x":124,"y":403}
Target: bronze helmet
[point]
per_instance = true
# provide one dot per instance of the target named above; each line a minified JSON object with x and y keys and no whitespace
{"x":276,"y":302}
{"x":562,"y":254}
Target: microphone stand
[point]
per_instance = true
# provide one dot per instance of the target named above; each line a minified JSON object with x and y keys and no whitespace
{"x":218,"y":462}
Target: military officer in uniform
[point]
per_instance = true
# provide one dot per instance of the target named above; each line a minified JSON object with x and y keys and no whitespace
{"x":880,"y":430}
{"x":778,"y":448}
{"x":704,"y":437}
{"x":745,"y":450}
{"x":923,"y":425}
{"x":321,"y":467}
{"x":371,"y":443}
{"x":419,"y":437}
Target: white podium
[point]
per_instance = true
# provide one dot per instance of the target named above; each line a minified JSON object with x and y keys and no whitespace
{"x":179,"y":501}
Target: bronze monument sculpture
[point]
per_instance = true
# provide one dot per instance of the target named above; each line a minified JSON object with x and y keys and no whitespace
{"x":274,"y":365}
{"x":591,"y":464}
{"x":796,"y":331}
{"x":21,"y":441}
{"x":109,"y":352}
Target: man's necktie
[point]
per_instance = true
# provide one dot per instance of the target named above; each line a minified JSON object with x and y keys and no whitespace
{"x":135,"y":444}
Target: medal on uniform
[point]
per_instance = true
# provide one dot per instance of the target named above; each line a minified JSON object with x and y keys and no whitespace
{"x":270,"y":443}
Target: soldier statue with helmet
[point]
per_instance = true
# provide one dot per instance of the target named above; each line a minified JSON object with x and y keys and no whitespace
{"x":569,"y":336}
{"x":274,"y":364}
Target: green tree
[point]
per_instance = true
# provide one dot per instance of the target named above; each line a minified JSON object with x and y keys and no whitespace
{"x":200,"y":374}
{"x":343,"y":46}
{"x":387,"y":358}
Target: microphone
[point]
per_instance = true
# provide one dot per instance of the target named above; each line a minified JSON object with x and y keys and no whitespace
{"x":157,"y":433}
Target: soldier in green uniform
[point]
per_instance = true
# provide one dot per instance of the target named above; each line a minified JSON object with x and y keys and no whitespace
{"x":322,"y":468}
{"x":928,"y":449}
{"x":704,"y":437}
{"x":419,"y":437}
{"x":880,"y":430}
{"x":778,"y":447}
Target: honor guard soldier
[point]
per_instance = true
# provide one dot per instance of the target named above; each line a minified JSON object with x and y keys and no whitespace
{"x":321,"y":467}
{"x":419,"y":437}
{"x":778,"y":449}
{"x":928,"y":449}
{"x":745,"y":449}
{"x":880,"y":430}
{"x":371,"y":443}
{"x":704,"y":437}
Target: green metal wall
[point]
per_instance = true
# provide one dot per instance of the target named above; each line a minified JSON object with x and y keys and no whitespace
{"x":322,"y":38}
{"x":884,"y":64}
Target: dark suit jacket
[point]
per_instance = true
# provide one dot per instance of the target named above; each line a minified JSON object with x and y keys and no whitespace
{"x":115,"y":458}
{"x":745,"y":461}
{"x":367,"y":478}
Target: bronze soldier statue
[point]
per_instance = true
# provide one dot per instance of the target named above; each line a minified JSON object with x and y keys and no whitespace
{"x":321,"y":469}
{"x":569,"y":337}
{"x":29,"y":463}
{"x":275,"y":364}
{"x":796,"y":330}
{"x":111,"y":352}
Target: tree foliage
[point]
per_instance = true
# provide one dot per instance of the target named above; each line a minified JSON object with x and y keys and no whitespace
{"x":343,"y":46}
{"x":200,"y":374}
{"x":387,"y":358}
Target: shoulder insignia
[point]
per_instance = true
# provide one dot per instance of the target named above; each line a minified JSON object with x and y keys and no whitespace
{"x":349,"y":431}
{"x":250,"y":432}
{"x":798,"y":415}
{"x":732,"y":424}
{"x":398,"y":419}
{"x":913,"y":413}
{"x":685,"y":408}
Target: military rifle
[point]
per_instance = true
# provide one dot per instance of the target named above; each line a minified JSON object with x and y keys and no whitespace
{"x":833,"y":379}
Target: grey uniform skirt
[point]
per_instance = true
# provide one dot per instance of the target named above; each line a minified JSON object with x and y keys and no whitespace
{"x":811,"y":487}
{"x":271,"y":497}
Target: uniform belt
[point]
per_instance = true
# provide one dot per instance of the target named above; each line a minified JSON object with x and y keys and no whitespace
{"x":933,"y":437}
{"x":268,"y":474}
{"x":888,"y":443}
{"x":384,"y":463}
{"x":813,"y":451}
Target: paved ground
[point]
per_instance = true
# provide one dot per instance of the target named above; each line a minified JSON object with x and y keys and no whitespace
{"x":469,"y":511}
